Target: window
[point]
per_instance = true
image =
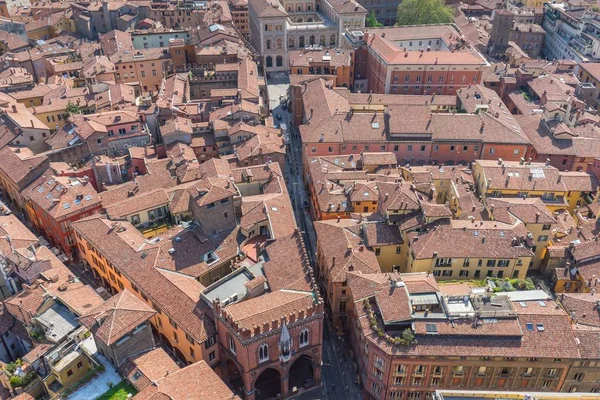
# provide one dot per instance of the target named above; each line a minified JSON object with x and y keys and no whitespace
{"x":377,"y":251}
{"x":579,"y":376}
{"x":546,"y":227}
{"x":175,"y":337}
{"x":263,"y":353}
{"x":342,"y":307}
{"x":79,"y":364}
{"x":491,"y":263}
{"x":542,"y":238}
{"x":231,"y":345}
{"x":503,"y":263}
{"x":211,"y":356}
{"x":481,"y":370}
{"x":70,"y":372}
{"x":304,"y":337}
{"x":192,"y":352}
{"x":210,"y":342}
{"x":173,"y":324}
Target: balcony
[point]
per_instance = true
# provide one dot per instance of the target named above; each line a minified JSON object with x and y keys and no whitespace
{"x":552,"y":16}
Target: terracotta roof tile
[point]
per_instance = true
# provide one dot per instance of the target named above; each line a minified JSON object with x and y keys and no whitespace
{"x":117,"y":317}
{"x":142,"y":370}
{"x":196,"y":381}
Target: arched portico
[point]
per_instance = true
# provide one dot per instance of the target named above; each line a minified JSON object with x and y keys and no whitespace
{"x":267,"y":384}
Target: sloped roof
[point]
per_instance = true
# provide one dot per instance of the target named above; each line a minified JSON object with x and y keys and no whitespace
{"x":117,"y":317}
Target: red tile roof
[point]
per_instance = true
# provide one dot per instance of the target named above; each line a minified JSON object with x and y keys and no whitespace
{"x":117,"y":317}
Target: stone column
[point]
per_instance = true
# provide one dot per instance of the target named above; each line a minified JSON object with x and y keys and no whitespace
{"x":285,"y":386}
{"x":317,"y":372}
{"x":249,"y":391}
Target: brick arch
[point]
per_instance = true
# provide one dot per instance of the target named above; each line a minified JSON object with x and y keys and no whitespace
{"x":267,"y":383}
{"x":272,"y":365}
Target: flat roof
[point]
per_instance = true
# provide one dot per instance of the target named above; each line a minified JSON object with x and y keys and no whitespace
{"x":234,"y":283}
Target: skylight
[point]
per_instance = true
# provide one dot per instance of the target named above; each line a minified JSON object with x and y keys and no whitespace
{"x":529,"y":326}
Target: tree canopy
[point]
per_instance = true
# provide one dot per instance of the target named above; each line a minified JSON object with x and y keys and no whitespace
{"x":72,"y":108}
{"x":372,"y":21}
{"x":420,"y":12}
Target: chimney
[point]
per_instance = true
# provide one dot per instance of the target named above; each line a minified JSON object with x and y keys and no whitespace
{"x":522,"y":161}
{"x":537,"y":217}
{"x":14,"y":108}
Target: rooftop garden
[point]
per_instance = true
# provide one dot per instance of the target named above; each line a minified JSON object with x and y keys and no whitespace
{"x":407,"y":338}
{"x":18,"y":377}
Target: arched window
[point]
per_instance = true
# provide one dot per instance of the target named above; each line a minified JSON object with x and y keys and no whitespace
{"x":291,"y":42}
{"x":279,"y":44}
{"x":279,"y":61}
{"x":268,"y":44}
{"x":304,"y":337}
{"x":311,"y":39}
{"x":308,"y":8}
{"x":300,"y":20}
{"x":301,"y":41}
{"x":269,"y":62}
{"x":322,"y":40}
{"x":263,"y":353}
{"x":332,"y":39}
{"x":299,"y":7}
{"x":309,"y":20}
{"x":231,"y":345}
{"x":289,"y":8}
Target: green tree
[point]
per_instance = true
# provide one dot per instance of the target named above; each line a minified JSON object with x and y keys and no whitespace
{"x":420,"y":12}
{"x":72,"y":108}
{"x":372,"y":21}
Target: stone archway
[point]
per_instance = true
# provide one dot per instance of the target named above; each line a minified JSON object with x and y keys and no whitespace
{"x":268,"y":384}
{"x":179,"y":355}
{"x":301,"y":372}
{"x":233,"y":377}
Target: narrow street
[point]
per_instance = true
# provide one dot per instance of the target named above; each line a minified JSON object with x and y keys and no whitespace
{"x":338,"y":372}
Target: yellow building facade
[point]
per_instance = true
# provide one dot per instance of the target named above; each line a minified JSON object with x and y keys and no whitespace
{"x":164,"y":324}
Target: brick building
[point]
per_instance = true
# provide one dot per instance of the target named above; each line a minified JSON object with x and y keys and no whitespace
{"x":418,"y":60}
{"x":53,"y":203}
{"x":334,"y":122}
